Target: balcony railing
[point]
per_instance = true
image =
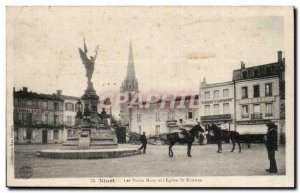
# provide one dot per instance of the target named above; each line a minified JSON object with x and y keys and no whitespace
{"x":245,"y":116}
{"x":268,"y":114}
{"x":216,"y":117}
{"x":256,"y":116}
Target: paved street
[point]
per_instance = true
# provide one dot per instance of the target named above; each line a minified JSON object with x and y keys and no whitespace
{"x":205,"y":162}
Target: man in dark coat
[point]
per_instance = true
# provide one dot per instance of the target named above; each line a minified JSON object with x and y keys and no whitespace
{"x":218,"y":136}
{"x":271,"y":143}
{"x":143,"y":139}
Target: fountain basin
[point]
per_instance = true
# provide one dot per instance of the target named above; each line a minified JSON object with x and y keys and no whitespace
{"x":87,"y":153}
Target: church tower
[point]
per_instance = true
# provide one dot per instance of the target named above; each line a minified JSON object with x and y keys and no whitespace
{"x":129,"y":87}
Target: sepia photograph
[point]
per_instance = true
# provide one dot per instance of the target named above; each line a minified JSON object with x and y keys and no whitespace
{"x":150,"y":96}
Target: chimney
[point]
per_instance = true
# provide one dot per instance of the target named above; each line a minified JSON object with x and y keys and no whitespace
{"x":25,"y":89}
{"x":242,"y":65}
{"x":58,"y":92}
{"x":279,"y":54}
{"x":203,"y":83}
{"x":14,"y":89}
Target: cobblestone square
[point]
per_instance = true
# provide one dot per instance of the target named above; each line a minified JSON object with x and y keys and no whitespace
{"x":155,"y":163}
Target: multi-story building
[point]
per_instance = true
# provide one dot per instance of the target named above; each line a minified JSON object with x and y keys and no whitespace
{"x":217,"y":103}
{"x":260,"y":95}
{"x":129,"y":88}
{"x":43,"y":118}
{"x":164,"y":118}
{"x":38,"y":118}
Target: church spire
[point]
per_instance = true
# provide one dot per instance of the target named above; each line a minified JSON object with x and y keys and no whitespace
{"x":130,"y":67}
{"x":130,"y":82}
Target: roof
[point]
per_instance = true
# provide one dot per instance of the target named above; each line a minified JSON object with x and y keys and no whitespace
{"x":34,"y":95}
{"x":265,"y":70}
{"x":66,"y":97}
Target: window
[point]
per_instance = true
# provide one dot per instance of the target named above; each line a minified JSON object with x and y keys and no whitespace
{"x":268,"y":89}
{"x":69,"y":107}
{"x":55,"y":134}
{"x":256,"y":74}
{"x":216,"y":109}
{"x":70,"y":132}
{"x":256,"y":108}
{"x":207,"y":110}
{"x":45,"y":104}
{"x":56,"y":106}
{"x":244,"y":92}
{"x":157,"y":129}
{"x":171,"y":114}
{"x":256,"y":91}
{"x":245,"y":111}
{"x":28,"y":133}
{"x":190,"y":115}
{"x":138,"y":117}
{"x":269,"y":110}
{"x":244,"y":74}
{"x":225,"y":93}
{"x":29,"y":103}
{"x":69,"y":120}
{"x":225,"y":108}
{"x":207,"y":95}
{"x":46,"y":119}
{"x":268,"y":70}
{"x":216,"y":94}
{"x":56,"y":119}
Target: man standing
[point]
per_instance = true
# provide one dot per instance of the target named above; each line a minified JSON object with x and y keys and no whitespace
{"x":143,"y":139}
{"x":272,"y":146}
{"x":218,"y":136}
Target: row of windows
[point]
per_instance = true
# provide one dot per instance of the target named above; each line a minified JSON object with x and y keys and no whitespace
{"x":171,"y":115}
{"x":216,"y":94}
{"x":33,"y":103}
{"x":256,"y":91}
{"x":25,"y":117}
{"x":216,"y":109}
{"x":257,"y":112}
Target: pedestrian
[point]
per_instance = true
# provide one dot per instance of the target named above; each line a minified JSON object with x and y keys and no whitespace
{"x":218,"y":136}
{"x":271,"y":143}
{"x":143,"y":139}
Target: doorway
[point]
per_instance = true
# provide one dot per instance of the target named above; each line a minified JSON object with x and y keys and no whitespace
{"x":44,"y":136}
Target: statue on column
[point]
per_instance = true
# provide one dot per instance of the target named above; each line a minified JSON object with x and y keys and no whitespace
{"x":88,"y":63}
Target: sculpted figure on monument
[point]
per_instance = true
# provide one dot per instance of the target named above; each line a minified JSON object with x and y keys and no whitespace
{"x":88,"y":63}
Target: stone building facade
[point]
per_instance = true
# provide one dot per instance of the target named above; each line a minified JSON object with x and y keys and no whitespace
{"x":260,"y":96}
{"x":158,"y":118}
{"x":38,"y":118}
{"x":42,"y":118}
{"x":217,"y":103}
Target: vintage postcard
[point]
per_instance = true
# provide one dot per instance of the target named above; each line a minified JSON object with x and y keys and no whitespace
{"x":150,"y":96}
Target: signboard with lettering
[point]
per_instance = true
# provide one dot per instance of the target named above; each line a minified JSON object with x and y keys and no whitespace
{"x":28,"y":110}
{"x":217,"y":101}
{"x":257,"y":100}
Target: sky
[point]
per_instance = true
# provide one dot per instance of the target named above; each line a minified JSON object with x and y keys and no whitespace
{"x":173,"y":48}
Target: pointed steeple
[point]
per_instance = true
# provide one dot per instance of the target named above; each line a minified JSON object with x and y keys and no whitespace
{"x":130,"y":82}
{"x":130,"y":67}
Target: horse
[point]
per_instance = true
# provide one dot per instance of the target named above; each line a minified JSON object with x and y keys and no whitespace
{"x":234,"y":136}
{"x":184,"y":137}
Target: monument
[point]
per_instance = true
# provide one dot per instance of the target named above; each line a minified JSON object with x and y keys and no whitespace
{"x":91,"y":129}
{"x":92,"y":136}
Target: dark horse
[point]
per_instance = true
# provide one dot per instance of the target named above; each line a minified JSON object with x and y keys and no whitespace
{"x":234,"y":136}
{"x":187,"y":137}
